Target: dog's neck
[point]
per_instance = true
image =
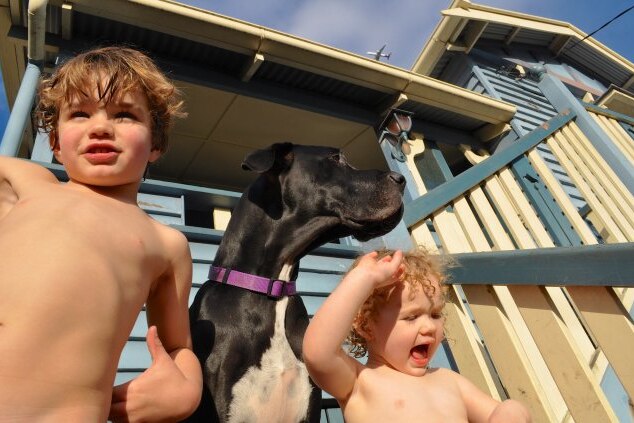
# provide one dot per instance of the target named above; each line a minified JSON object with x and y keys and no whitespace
{"x":249,"y":244}
{"x":286,"y":272}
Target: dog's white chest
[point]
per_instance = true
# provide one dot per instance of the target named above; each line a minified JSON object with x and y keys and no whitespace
{"x":279,"y":390}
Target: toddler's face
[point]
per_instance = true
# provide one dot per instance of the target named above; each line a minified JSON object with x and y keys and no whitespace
{"x":408,"y":329}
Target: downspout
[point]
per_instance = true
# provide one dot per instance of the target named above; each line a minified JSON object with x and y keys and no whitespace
{"x":37,"y":30}
{"x":21,"y":112}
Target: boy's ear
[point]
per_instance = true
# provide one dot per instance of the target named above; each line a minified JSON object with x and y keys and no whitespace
{"x":155,"y":155}
{"x":57,"y":154}
{"x":52,"y":140}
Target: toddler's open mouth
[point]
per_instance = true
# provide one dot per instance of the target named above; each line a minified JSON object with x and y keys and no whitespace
{"x":420,"y":353}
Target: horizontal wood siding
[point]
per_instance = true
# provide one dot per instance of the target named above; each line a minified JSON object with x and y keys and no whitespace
{"x":533,"y":109}
{"x":165,"y":209}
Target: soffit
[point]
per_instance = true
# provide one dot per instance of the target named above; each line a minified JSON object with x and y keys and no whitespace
{"x":617,"y":100}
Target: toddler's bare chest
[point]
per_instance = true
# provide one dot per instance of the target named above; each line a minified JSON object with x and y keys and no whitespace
{"x":404,"y":399}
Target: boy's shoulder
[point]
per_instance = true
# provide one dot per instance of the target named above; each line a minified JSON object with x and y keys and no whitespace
{"x":11,"y":167}
{"x":172,"y":237}
{"x":21,"y":177}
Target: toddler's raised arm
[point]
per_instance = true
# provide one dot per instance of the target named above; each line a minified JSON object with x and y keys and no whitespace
{"x":329,"y":366}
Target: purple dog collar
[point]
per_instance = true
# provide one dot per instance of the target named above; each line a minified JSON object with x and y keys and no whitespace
{"x":271,"y":287}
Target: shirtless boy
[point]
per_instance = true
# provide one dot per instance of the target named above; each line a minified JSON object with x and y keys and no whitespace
{"x":394,"y":303}
{"x":79,"y":259}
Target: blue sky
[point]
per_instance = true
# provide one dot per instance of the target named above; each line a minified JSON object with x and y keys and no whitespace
{"x":359,"y":26}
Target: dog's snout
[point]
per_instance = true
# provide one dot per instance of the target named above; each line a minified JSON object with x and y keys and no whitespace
{"x":397,"y":178}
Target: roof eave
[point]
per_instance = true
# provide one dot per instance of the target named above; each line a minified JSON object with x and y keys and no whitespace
{"x":454,"y":20}
{"x":211,"y":28}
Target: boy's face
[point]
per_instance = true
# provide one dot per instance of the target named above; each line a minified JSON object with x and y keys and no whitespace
{"x":408,"y":329}
{"x":106,"y":144}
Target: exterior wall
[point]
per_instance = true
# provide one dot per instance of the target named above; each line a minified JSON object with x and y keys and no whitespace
{"x":492,"y":76}
{"x":503,"y":72}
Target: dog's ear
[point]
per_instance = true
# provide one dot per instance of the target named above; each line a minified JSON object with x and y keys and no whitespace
{"x":277,"y":156}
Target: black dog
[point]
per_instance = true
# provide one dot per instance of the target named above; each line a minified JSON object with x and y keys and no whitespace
{"x":247,"y":326}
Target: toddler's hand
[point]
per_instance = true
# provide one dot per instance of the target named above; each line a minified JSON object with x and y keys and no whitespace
{"x":380,"y":272}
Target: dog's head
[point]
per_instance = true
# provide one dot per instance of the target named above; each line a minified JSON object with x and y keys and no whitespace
{"x":318,"y":183}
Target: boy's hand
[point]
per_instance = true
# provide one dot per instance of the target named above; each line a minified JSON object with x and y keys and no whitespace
{"x":161,"y":393}
{"x":382,"y":272}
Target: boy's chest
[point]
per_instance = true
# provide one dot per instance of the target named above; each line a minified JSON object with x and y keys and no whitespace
{"x":107,"y":228}
{"x":116,"y":252}
{"x":126,"y":232}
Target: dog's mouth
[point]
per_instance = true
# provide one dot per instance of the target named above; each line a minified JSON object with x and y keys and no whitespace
{"x":364,"y":230}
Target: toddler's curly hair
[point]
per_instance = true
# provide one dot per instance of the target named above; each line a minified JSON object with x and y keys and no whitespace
{"x":419,"y":266}
{"x":123,"y":69}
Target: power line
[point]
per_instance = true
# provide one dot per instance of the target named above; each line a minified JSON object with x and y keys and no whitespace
{"x":601,"y":27}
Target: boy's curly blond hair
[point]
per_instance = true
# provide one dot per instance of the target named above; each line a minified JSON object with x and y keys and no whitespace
{"x":420,"y":265}
{"x":124,"y":70}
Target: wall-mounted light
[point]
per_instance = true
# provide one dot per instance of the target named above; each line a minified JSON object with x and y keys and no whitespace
{"x":395,"y":129}
{"x":516,"y":71}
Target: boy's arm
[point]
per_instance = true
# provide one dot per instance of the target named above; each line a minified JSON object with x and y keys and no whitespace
{"x":16,"y":176}
{"x":171,"y":388}
{"x":168,"y":309}
{"x":329,"y":366}
{"x":482,"y":408}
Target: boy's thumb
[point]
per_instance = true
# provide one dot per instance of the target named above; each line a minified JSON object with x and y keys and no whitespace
{"x":154,"y":344}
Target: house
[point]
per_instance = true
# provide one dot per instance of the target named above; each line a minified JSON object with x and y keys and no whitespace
{"x":519,"y":161}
